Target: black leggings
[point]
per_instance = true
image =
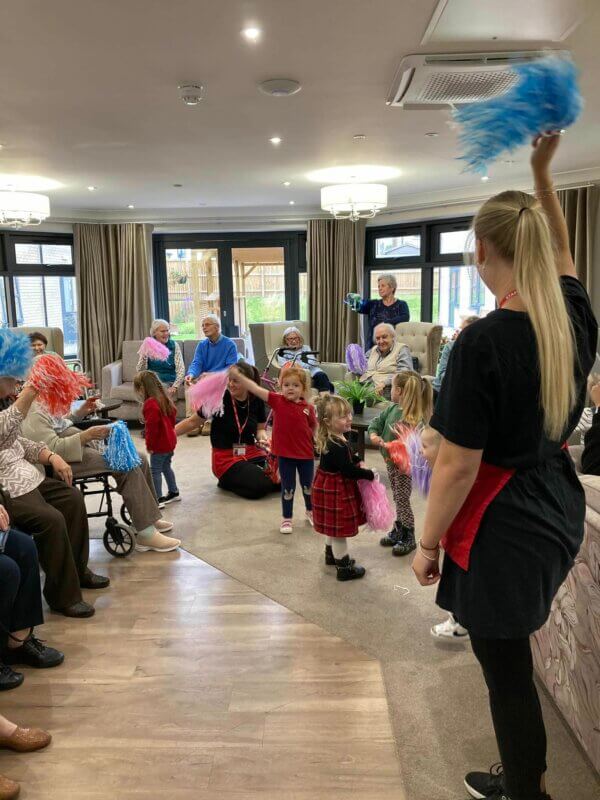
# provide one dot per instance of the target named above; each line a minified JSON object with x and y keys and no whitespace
{"x":321,"y":382}
{"x":516,"y":713}
{"x":247,"y":479}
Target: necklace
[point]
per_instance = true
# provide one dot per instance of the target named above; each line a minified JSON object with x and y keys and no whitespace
{"x":507,"y":297}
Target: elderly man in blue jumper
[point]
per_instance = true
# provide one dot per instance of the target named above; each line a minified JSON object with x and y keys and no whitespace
{"x":213,"y":354}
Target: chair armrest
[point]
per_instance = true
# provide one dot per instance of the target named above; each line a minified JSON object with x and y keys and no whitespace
{"x":335,"y":371}
{"x":112,"y":375}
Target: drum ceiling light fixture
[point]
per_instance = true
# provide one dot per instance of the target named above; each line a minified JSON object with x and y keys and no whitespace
{"x":354,"y":201}
{"x":19,"y":209}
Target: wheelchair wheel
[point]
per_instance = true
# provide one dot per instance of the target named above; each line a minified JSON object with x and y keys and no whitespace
{"x":125,"y":514}
{"x":119,"y":540}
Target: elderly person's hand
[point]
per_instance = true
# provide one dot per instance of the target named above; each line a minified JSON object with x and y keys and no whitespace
{"x":96,"y":432}
{"x":61,"y":469}
{"x":189,"y":380}
{"x":4,"y":519}
{"x":87,"y":407}
{"x":172,"y":391}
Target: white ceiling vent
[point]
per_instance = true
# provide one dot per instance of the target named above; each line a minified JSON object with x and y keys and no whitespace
{"x":438,"y":81}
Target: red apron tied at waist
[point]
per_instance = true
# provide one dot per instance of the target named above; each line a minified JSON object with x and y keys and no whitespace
{"x":222,"y":460}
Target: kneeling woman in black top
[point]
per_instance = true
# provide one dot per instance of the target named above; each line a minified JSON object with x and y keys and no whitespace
{"x":237,"y":461}
{"x":513,"y":393}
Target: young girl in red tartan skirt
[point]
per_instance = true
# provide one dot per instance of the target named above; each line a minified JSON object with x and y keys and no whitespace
{"x":336,"y":501}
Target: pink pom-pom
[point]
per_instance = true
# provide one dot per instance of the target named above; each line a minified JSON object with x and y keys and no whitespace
{"x":207,"y":395}
{"x":378,"y":510}
{"x":57,"y":386}
{"x":151,"y":348}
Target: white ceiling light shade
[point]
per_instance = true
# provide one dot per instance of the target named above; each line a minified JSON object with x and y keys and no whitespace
{"x":191,"y":93}
{"x":279,"y":87}
{"x":354,"y":200}
{"x":23,"y":208}
{"x":361,"y":173}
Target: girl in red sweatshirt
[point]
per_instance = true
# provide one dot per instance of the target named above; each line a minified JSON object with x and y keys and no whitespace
{"x":159,"y":420}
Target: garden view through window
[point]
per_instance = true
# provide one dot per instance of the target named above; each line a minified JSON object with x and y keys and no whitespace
{"x":193,"y":288}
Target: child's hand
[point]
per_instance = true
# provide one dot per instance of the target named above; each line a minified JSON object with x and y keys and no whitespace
{"x":377,"y":440}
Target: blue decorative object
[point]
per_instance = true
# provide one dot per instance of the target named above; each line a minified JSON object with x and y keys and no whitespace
{"x":120,"y":454}
{"x":545,"y":98}
{"x":16,"y":355}
{"x":353,"y":300}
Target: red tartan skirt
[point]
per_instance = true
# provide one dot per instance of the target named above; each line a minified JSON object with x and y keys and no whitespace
{"x":337,"y":506}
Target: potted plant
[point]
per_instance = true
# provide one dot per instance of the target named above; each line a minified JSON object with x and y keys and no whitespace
{"x":357,"y":394}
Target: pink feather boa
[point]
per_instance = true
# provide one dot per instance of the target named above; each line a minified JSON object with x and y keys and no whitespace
{"x":377,"y":507}
{"x":151,"y":348}
{"x":207,"y":394}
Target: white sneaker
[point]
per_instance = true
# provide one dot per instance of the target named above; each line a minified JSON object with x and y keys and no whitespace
{"x":157,"y":542}
{"x":163,"y":525}
{"x":449,"y":629}
{"x":286,"y":526}
{"x":309,"y":517}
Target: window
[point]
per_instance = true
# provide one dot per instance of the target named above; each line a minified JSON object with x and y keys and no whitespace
{"x":398,"y":247}
{"x":303,"y":292}
{"x":3,"y":307}
{"x":258,"y":285}
{"x":193,"y":289}
{"x":455,"y":242}
{"x":43,"y":254}
{"x":48,"y":302}
{"x":409,"y":288}
{"x":459,"y":292}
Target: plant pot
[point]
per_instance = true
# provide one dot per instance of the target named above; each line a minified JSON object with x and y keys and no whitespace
{"x":358,"y":407}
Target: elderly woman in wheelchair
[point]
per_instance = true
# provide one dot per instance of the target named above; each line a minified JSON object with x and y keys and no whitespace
{"x":79,"y":449}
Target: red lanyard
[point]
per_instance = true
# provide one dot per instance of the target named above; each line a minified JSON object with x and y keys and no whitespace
{"x":237,"y":419}
{"x":508,"y":297}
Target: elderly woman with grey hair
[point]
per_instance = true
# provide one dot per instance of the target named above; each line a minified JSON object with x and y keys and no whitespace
{"x":386,"y":359}
{"x":387,"y":309}
{"x":292,"y":347}
{"x":172,"y":371}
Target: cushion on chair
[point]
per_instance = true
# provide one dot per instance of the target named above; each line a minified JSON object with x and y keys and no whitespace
{"x":130,"y":359}
{"x":124,"y":392}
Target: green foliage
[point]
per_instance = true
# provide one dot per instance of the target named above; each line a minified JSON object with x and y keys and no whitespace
{"x":265,"y":309}
{"x":356,"y":392}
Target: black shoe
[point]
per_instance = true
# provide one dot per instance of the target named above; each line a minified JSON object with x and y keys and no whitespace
{"x":406,"y":544}
{"x":79,"y":610}
{"x":330,"y":558}
{"x":9,"y":679}
{"x":170,"y":497}
{"x":482,"y":785}
{"x":34,"y":653}
{"x":92,"y":581}
{"x":347,"y":570}
{"x":393,"y":537}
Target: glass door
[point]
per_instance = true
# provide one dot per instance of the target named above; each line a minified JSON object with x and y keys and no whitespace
{"x":192,"y":289}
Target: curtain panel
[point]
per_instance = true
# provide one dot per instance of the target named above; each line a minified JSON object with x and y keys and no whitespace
{"x":580,"y":207}
{"x":335,"y":262}
{"x":112,"y":265}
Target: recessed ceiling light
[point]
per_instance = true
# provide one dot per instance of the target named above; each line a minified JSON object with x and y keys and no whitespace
{"x":275,"y":140}
{"x":27,"y":183}
{"x":432,"y":134}
{"x":292,"y":202}
{"x":485,"y":177}
{"x":279,"y":87}
{"x":287,"y":183}
{"x":130,"y":206}
{"x":178,"y":185}
{"x":359,"y":137}
{"x":92,"y":188}
{"x":252,"y":34}
{"x":356,"y":172}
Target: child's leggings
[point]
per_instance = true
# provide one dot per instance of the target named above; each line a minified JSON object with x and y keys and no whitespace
{"x":339,"y":546}
{"x":401,"y":489}
{"x":287,"y":472}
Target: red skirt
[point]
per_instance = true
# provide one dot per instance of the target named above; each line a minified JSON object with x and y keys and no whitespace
{"x":337,"y":506}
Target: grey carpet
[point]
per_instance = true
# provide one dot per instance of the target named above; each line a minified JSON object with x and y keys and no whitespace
{"x":437,"y":698}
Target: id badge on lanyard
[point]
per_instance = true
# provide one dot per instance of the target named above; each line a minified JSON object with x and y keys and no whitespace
{"x":239,"y":449}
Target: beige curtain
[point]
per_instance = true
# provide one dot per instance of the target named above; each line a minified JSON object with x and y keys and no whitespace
{"x":335,"y":256}
{"x":580,"y":208}
{"x":112,"y":264}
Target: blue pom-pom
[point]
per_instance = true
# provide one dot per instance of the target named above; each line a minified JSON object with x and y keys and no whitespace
{"x":120,"y":454}
{"x":545,"y":98}
{"x":16,"y":354}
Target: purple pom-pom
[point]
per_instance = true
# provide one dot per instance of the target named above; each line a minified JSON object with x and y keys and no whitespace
{"x":378,"y":510}
{"x":420,"y":470}
{"x":356,"y":361}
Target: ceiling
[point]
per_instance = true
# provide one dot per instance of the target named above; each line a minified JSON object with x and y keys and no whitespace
{"x":89,"y":97}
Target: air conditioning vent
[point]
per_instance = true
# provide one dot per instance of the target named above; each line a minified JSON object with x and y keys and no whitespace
{"x":438,"y":81}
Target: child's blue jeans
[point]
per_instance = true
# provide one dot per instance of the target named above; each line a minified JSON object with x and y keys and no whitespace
{"x":160,"y":464}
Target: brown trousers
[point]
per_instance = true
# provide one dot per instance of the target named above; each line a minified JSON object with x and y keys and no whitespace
{"x":54,"y":514}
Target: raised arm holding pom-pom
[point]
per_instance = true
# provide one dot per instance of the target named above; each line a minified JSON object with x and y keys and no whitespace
{"x":249,"y":385}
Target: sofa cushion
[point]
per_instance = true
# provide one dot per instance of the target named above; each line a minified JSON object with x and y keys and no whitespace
{"x":130,"y":359}
{"x":124,"y":392}
{"x":189,"y":348}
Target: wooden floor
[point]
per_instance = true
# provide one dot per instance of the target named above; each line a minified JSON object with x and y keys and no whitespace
{"x":188,"y":684}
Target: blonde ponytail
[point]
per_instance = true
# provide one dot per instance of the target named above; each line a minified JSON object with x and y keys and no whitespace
{"x":518,"y":229}
{"x":417,"y":397}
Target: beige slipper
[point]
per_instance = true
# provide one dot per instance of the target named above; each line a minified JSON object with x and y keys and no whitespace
{"x":163,"y":525}
{"x":157,"y":542}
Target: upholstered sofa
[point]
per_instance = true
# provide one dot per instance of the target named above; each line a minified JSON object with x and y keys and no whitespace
{"x":117,"y":377}
{"x":267,"y":336}
{"x":566,"y":650}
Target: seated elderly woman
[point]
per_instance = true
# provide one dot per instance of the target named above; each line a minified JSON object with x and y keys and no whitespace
{"x":78,"y":448}
{"x":172,"y":371}
{"x":50,"y":509}
{"x":292,"y":347}
{"x":39,"y":343}
{"x":387,"y":358}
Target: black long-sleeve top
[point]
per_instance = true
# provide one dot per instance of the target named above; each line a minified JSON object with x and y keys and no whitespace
{"x":339,"y":458}
{"x":590,"y":458}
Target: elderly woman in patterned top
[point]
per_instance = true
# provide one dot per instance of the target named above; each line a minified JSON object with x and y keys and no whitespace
{"x":172,"y":371}
{"x":387,"y":358}
{"x":50,"y":509}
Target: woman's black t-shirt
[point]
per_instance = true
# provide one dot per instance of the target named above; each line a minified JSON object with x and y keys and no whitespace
{"x":224,"y":431}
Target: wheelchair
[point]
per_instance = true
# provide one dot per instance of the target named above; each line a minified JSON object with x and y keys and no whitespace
{"x":119,"y":537}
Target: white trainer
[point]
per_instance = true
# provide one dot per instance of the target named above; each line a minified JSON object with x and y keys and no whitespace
{"x":286,"y":526}
{"x":449,"y":629}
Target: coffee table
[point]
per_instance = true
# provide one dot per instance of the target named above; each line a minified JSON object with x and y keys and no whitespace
{"x":360,"y":423}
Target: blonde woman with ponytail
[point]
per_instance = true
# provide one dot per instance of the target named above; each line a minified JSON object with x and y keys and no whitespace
{"x":411,"y":407}
{"x":513,"y":393}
